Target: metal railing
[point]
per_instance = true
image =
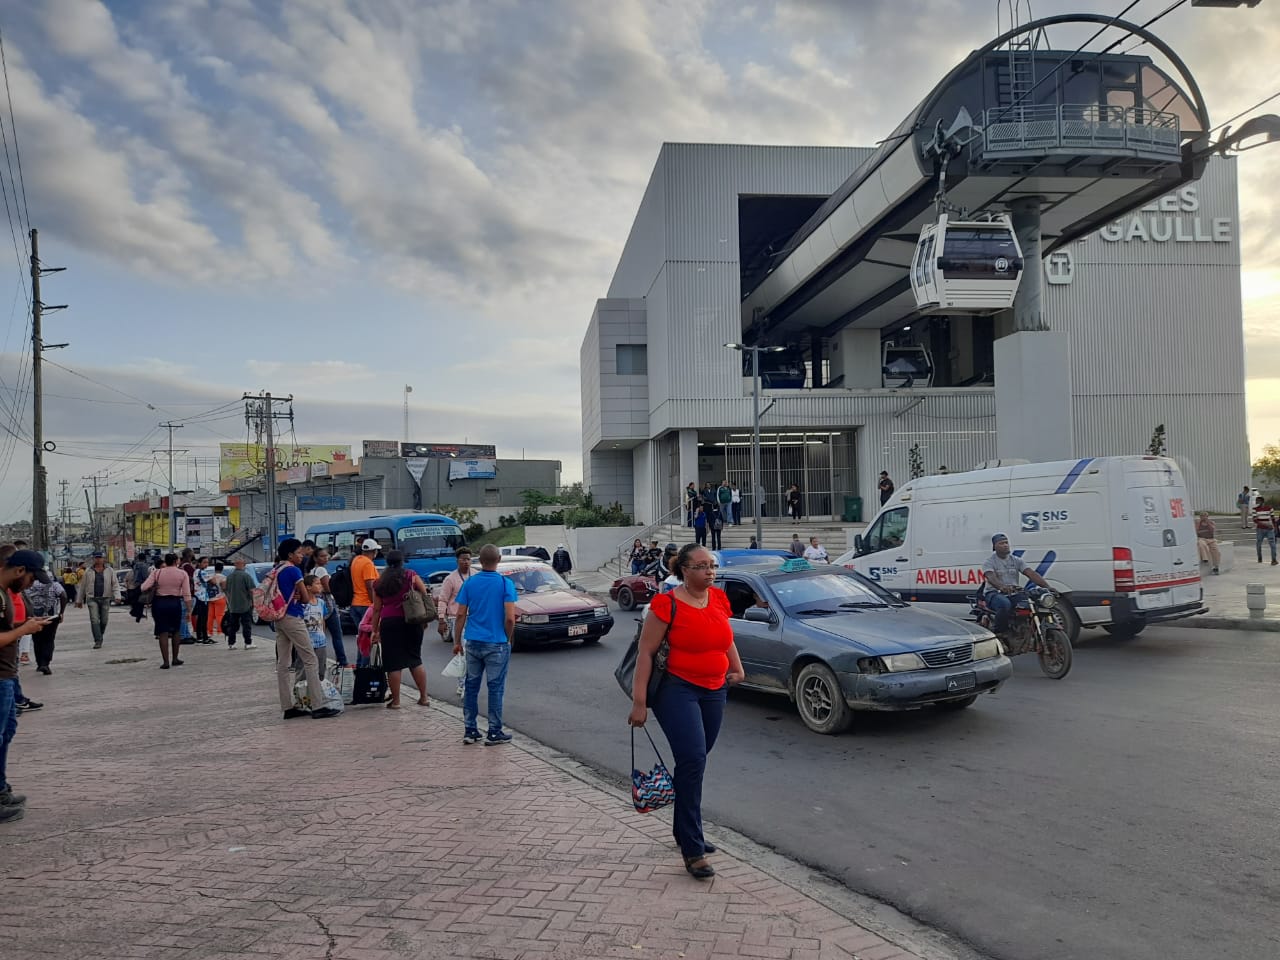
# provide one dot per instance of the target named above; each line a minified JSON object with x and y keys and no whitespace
{"x":1080,"y":126}
{"x":622,"y":553}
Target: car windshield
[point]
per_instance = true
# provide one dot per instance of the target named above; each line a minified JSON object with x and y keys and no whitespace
{"x":430,"y":540}
{"x":822,"y":592}
{"x":535,"y":579}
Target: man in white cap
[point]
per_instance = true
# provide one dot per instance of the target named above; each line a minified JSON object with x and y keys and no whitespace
{"x":364,"y":574}
{"x":560,"y":561}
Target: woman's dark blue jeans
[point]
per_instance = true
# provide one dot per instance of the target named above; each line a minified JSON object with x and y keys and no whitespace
{"x":690,"y":716}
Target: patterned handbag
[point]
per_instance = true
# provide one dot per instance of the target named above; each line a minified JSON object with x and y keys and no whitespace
{"x":653,"y":789}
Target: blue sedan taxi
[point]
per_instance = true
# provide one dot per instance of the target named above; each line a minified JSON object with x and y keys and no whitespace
{"x":835,"y":642}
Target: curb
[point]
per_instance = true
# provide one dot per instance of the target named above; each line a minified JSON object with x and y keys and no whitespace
{"x":866,"y":912}
{"x":1225,"y":623}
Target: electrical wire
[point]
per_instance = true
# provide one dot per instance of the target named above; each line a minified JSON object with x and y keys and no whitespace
{"x":4,"y":65}
{"x":1260,"y":103}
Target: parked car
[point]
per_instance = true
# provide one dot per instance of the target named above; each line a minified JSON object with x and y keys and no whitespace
{"x":526,"y":550}
{"x":550,"y":610}
{"x":635,"y":589}
{"x":834,"y":642}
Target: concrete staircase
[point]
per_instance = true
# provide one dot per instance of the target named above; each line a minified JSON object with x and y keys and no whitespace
{"x":836,"y":536}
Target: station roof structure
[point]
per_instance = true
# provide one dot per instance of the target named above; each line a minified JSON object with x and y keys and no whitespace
{"x":1095,"y":136}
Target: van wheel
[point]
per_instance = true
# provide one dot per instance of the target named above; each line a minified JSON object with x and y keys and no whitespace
{"x":1124,"y":631}
{"x":1068,"y":620}
{"x":821,"y":701}
{"x":626,"y":599}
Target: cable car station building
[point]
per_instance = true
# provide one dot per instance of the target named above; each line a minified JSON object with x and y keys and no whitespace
{"x":1127,"y":312}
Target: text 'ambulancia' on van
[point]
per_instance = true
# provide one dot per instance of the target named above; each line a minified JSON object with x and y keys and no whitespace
{"x":1114,"y":535}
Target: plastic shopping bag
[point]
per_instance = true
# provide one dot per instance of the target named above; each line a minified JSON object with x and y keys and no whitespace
{"x":332,"y":695}
{"x":456,"y":668}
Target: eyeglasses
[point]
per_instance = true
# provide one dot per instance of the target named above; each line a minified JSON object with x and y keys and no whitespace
{"x":704,"y":566}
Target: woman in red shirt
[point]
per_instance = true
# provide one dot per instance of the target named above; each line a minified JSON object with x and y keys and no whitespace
{"x":689,"y":703}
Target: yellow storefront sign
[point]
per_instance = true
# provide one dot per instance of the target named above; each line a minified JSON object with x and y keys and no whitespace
{"x":242,"y":461}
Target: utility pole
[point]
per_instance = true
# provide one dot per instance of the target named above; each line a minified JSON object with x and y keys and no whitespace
{"x":93,"y":513}
{"x":258,"y":410}
{"x":173,"y":530}
{"x":39,"y":477}
{"x":407,"y":390}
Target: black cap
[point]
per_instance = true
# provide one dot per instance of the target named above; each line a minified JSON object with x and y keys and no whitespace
{"x":31,"y":561}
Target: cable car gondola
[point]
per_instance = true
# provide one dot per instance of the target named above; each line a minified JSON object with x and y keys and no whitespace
{"x":904,"y":367}
{"x":966,"y":266}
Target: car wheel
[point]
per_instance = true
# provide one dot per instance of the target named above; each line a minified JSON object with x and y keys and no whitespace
{"x":958,"y":704}
{"x":821,"y":701}
{"x":626,"y":599}
{"x":1124,"y":631}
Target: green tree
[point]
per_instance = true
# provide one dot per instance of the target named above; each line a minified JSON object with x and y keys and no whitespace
{"x":1267,"y":466}
{"x":1158,"y":447}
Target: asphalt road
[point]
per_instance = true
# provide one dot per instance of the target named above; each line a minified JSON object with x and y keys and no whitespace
{"x":1128,"y":811}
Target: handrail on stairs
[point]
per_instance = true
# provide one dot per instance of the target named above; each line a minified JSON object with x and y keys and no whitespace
{"x":623,"y":550}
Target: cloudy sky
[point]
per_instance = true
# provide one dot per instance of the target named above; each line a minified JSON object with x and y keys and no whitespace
{"x":334,"y":198}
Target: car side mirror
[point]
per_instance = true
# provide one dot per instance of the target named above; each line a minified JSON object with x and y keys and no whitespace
{"x":758,"y":615}
{"x":857,"y":543}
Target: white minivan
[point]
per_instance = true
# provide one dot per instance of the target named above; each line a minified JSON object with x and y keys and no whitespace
{"x":1114,"y":535}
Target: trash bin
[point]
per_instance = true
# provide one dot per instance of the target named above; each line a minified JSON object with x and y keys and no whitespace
{"x":852,"y":510}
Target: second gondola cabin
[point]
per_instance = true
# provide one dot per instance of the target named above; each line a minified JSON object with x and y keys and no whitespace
{"x":966,"y":266}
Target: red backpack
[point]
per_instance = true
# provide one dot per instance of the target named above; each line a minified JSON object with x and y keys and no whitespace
{"x":268,"y":604}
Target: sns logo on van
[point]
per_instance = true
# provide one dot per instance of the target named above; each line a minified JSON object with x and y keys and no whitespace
{"x":1036,"y":521}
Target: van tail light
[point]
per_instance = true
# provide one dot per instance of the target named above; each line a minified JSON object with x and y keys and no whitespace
{"x":1122,"y":570}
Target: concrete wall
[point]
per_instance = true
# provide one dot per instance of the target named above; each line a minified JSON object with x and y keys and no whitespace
{"x":547,"y":535}
{"x":607,"y":474}
{"x":592,"y":547}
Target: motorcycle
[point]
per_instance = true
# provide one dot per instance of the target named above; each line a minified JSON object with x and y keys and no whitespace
{"x":1035,"y":626}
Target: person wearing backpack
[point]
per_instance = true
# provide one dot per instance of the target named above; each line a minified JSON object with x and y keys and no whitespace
{"x":285,"y":583}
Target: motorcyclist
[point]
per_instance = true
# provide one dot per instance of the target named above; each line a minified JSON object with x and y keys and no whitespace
{"x":1003,"y":572}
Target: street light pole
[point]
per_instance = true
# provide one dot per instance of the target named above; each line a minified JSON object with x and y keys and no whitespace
{"x":757,"y":490}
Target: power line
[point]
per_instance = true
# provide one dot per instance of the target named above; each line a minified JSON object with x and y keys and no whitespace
{"x":26,"y":212}
{"x":1260,"y":103}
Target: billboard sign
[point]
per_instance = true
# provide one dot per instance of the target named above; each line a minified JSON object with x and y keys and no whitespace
{"x":449,"y":451}
{"x":246,"y":461}
{"x":386,"y":449}
{"x":473,"y":469}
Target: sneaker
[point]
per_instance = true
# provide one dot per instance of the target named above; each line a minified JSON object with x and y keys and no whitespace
{"x":294,"y":712}
{"x":45,"y":670}
{"x":471,"y":736}
{"x":12,"y":813}
{"x":231,"y":645}
{"x":97,"y":646}
{"x":324,"y":712}
{"x":496,"y":736}
{"x":29,"y":704}
{"x":11,"y":799}
{"x":1215,"y":570}
{"x":248,"y":646}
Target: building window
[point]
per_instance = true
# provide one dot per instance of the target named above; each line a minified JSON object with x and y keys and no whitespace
{"x":633,"y":359}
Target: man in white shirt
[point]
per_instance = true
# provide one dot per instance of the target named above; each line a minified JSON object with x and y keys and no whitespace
{"x":448,"y":601}
{"x":816,"y":552}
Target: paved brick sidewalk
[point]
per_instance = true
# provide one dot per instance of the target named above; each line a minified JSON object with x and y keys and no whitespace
{"x":172,"y":814}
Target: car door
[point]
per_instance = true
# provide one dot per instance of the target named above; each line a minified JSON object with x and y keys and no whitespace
{"x":884,"y":557}
{"x":759,"y":644}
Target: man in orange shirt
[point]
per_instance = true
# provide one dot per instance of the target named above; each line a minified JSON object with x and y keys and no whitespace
{"x":364,"y":574}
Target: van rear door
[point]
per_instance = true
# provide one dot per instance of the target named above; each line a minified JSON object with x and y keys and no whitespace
{"x":1162,"y":536}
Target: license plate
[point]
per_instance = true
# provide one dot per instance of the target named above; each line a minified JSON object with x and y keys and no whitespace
{"x":579,"y":630}
{"x":962,"y":681}
{"x":1153,"y":601}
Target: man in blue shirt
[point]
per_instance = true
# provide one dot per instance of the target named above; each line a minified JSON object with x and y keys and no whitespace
{"x":486,"y":621}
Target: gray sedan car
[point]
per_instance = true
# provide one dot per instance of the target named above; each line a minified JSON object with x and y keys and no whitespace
{"x":835,"y":642}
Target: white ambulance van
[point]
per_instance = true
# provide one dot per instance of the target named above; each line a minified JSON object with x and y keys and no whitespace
{"x":1114,"y":535}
